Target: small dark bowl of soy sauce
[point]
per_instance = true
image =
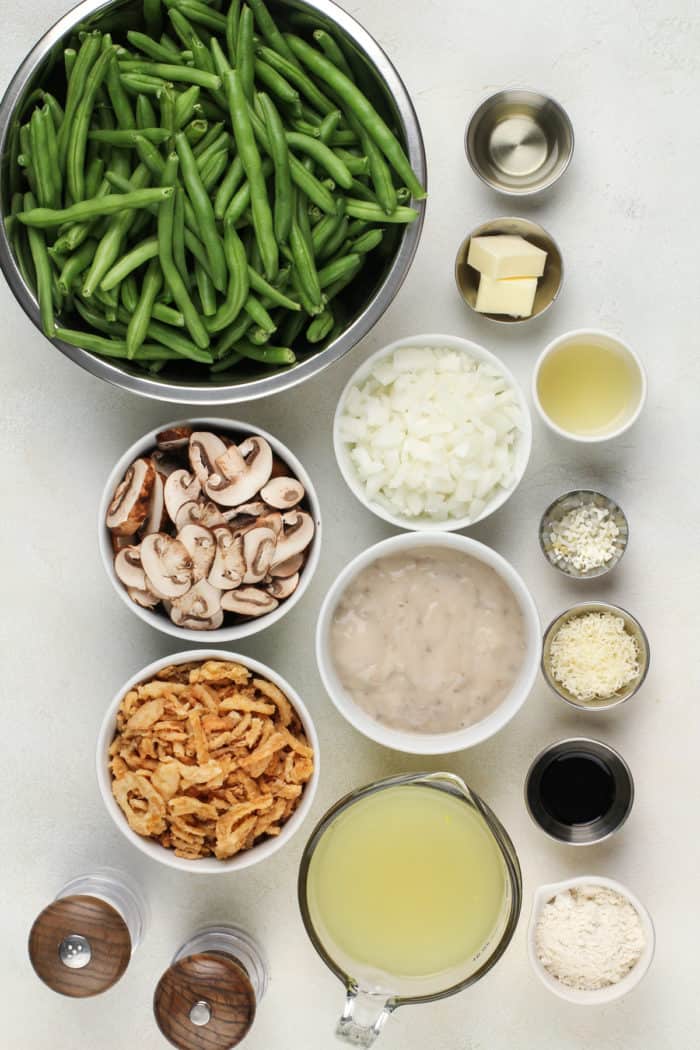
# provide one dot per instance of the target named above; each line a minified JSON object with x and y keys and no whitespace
{"x":579,"y":791}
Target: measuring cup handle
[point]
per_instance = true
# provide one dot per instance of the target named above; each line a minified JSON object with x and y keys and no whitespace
{"x":363,"y":1017}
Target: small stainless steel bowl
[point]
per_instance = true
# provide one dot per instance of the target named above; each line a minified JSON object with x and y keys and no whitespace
{"x":548,"y":285}
{"x":367,"y":298}
{"x":632,"y":626}
{"x":572,"y":501}
{"x":519,"y":142}
{"x":594,"y":830}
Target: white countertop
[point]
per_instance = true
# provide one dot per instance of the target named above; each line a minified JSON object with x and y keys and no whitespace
{"x":625,"y":217}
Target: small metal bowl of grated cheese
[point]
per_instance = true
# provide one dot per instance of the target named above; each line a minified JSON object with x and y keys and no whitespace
{"x":584,"y":534}
{"x":595,"y":656}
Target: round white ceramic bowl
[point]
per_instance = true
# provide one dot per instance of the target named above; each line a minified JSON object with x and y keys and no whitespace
{"x":157,"y":617}
{"x":419,"y":524}
{"x":153,"y":849}
{"x":429,"y":743}
{"x":600,"y":995}
{"x":596,"y":337}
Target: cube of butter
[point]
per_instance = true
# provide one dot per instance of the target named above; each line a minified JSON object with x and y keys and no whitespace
{"x":506,"y":255}
{"x":512,"y":295}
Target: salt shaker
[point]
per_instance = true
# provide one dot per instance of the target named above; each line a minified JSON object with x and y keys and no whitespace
{"x":209,"y":994}
{"x":81,"y":944}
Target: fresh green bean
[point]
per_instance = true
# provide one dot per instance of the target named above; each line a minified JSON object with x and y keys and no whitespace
{"x":278,"y":86}
{"x":112,"y":240}
{"x":328,"y":126}
{"x":332,"y":51}
{"x":250,"y":156}
{"x":320,"y":326}
{"x":195,"y":131}
{"x":332,"y":290}
{"x":118,"y":97}
{"x":304,"y":265}
{"x":360,"y":106}
{"x":129,"y":293}
{"x":193,"y":322}
{"x":94,"y":177}
{"x":337,"y":269}
{"x":141,"y":85}
{"x":221,"y":142}
{"x":128,"y":137}
{"x":141,"y":317}
{"x":238,"y":281}
{"x":152,"y":16}
{"x":232,"y":358}
{"x":355,"y":163}
{"x":322,"y":155}
{"x":171,"y":45}
{"x":213,"y":170}
{"x":172,"y":72}
{"x":45,"y":187}
{"x":152,"y":48}
{"x":185,"y":105}
{"x":43,"y":271}
{"x":76,"y":232}
{"x":76,"y":264}
{"x":145,"y":113}
{"x":112,"y":347}
{"x":167,"y":110}
{"x":149,"y":155}
{"x":291,"y":328}
{"x":166,"y":314}
{"x":221,"y":62}
{"x":268,"y":291}
{"x":203,"y":210}
{"x":55,"y":107}
{"x":205,"y":142}
{"x":380,"y":173}
{"x":283,"y":208}
{"x":141,"y":253}
{"x":230,"y":336}
{"x":227,"y":187}
{"x":334,"y":241}
{"x":83,"y":62}
{"x":232,"y":18}
{"x":299,"y":78}
{"x":358,"y":209}
{"x":174,"y":340}
{"x":245,"y":56}
{"x":268,"y":355}
{"x":267,"y":26}
{"x":51,"y":144}
{"x":202,"y":15}
{"x":77,"y":139}
{"x":206,"y":290}
{"x":43,"y":218}
{"x":69,"y":57}
{"x":179,"y":256}
{"x":326,"y":227}
{"x":367,"y":241}
{"x":343,"y":137}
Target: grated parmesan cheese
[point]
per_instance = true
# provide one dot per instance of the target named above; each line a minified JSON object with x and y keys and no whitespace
{"x":593,"y":656}
{"x":585,"y":538}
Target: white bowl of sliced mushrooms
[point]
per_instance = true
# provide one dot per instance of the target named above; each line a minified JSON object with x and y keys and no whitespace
{"x":209,"y":526}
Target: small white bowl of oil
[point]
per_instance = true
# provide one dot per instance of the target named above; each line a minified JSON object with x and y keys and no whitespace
{"x":589,"y":386}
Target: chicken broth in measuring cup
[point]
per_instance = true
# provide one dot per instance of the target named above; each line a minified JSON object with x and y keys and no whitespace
{"x":428,"y":641}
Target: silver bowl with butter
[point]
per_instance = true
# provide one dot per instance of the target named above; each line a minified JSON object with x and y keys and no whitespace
{"x":509,"y":270}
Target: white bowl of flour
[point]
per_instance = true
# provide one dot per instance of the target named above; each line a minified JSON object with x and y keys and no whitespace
{"x":590,"y":939}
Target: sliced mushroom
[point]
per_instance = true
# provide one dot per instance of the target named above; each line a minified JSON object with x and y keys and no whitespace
{"x":143,"y":597}
{"x":129,"y":569}
{"x":119,"y":542}
{"x":229,"y":563}
{"x":180,"y":488}
{"x":271,"y":520}
{"x":282,"y":493}
{"x":204,"y":449}
{"x":167,"y":564}
{"x":201,"y":547}
{"x":282,"y":587}
{"x":173,"y":438}
{"x":198,"y":608}
{"x":198,"y":512}
{"x":166,"y":463}
{"x":246,"y":510}
{"x":156,"y":511}
{"x":129,"y":507}
{"x":289,"y":567}
{"x":297,"y":534}
{"x":249,"y":601}
{"x":238,"y":482}
{"x":258,"y":551}
{"x":279,"y":469}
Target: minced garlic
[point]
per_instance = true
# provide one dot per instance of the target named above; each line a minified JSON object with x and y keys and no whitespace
{"x":585,"y":538}
{"x":593,"y":656}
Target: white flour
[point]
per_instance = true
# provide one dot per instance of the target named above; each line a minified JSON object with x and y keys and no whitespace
{"x":589,"y":937}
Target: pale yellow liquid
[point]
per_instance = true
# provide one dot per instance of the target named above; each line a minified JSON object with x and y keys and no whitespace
{"x":407,"y":882}
{"x":587,"y":389}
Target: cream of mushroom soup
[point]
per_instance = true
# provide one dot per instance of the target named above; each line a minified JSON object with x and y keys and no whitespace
{"x":428,"y":641}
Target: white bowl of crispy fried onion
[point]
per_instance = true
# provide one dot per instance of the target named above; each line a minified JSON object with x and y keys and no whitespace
{"x":191,"y":751}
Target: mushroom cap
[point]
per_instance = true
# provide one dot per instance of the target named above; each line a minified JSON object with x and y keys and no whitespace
{"x":157,"y":517}
{"x":129,"y":507}
{"x":167,"y":564}
{"x":246,"y":510}
{"x":195,"y":623}
{"x":200,"y":544}
{"x":128,"y":567}
{"x":199,"y":512}
{"x":258,"y":551}
{"x":143,"y":597}
{"x":282,"y":587}
{"x":247,"y":480}
{"x":173,"y":437}
{"x":298,"y":532}
{"x":201,"y":603}
{"x":204,"y":449}
{"x":249,"y":601}
{"x":282,"y":493}
{"x":288,"y":567}
{"x":229,"y":565}
{"x":180,"y":487}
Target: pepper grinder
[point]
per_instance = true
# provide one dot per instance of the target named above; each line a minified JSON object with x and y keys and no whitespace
{"x":209,"y":994}
{"x":81,"y":944}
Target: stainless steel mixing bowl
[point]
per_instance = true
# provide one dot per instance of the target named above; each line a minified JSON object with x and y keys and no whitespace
{"x":366,"y":299}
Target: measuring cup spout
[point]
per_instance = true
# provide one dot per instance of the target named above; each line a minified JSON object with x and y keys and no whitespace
{"x":449,"y":780}
{"x":363,"y":1016}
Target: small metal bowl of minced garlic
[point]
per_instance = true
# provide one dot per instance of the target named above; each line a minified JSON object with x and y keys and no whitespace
{"x":584,"y":534}
{"x":595,"y":656}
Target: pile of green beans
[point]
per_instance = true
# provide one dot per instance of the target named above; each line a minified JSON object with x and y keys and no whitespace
{"x":204,"y":189}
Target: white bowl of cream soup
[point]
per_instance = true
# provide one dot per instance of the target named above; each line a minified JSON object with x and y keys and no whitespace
{"x":428,"y":643}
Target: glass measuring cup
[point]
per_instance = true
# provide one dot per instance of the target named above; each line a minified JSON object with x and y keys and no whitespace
{"x":372,"y":993}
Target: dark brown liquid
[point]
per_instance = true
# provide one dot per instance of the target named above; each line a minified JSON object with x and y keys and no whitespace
{"x":577,"y":788}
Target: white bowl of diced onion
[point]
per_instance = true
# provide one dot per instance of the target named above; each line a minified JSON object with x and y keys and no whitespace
{"x":432,"y":433}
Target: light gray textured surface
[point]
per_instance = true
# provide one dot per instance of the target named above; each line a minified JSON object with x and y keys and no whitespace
{"x":625,"y":216}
